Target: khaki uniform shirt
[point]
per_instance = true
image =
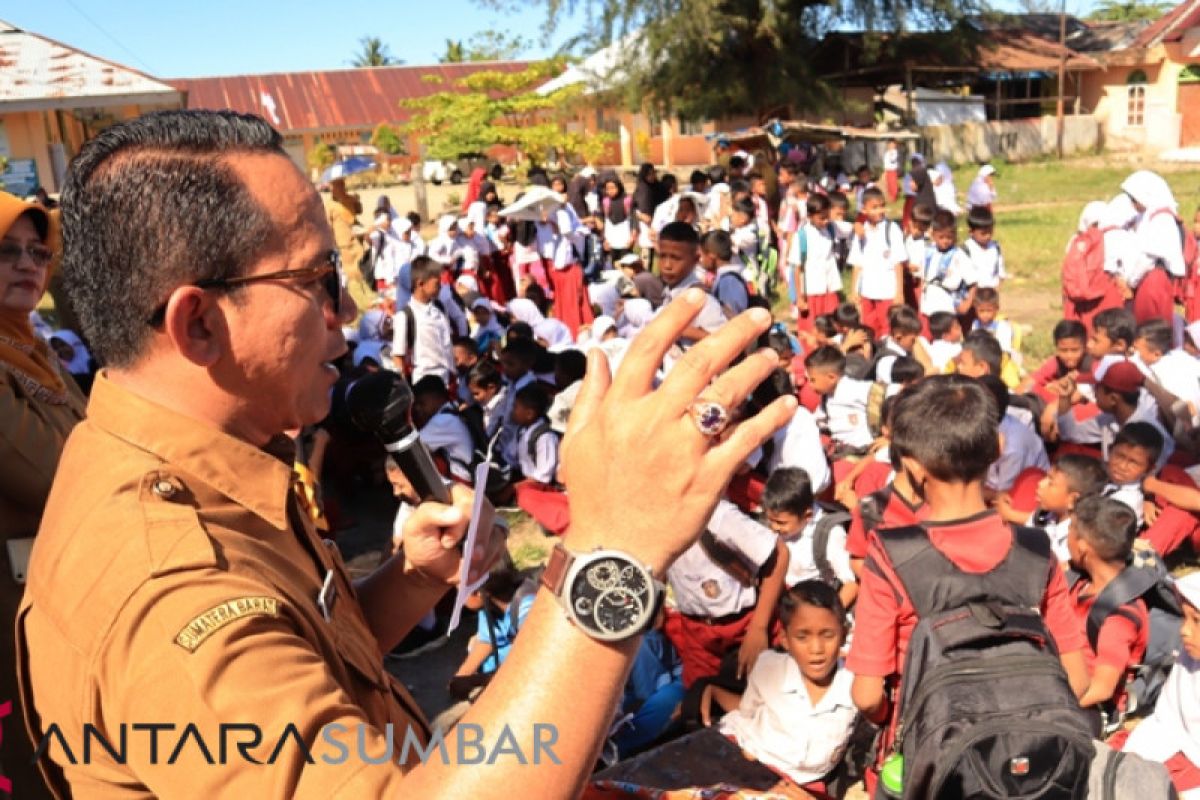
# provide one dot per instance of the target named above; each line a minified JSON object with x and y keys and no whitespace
{"x":174,"y":583}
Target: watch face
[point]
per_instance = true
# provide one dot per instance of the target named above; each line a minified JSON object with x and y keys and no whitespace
{"x":612,"y":597}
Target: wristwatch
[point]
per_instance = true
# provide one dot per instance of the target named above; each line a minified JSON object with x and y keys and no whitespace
{"x":607,"y":594}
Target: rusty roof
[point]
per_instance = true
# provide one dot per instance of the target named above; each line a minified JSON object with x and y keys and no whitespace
{"x":1170,"y":26}
{"x":1022,"y":51}
{"x":353,"y":98}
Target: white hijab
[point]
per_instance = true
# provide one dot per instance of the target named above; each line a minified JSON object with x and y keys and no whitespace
{"x":605,"y":295}
{"x":525,"y":310}
{"x":1150,"y":190}
{"x":555,"y":333}
{"x":1093,"y":214}
{"x":1174,"y":727}
{"x":1158,"y":234}
{"x":636,"y":315}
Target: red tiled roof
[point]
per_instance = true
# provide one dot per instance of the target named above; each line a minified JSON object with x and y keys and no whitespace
{"x":1170,"y":26}
{"x":334,"y":99}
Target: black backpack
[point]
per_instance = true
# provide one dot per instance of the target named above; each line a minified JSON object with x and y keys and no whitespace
{"x":985,"y":708}
{"x":832,"y":516}
{"x":1145,"y":577}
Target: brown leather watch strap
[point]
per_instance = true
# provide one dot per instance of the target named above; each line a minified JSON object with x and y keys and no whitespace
{"x":556,"y":569}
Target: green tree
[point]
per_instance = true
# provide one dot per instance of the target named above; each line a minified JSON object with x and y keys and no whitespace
{"x":372,"y":52}
{"x":1129,"y":11}
{"x":718,"y":58}
{"x":490,"y":107}
{"x":321,"y":155}
{"x":492,"y":45}
{"x":387,"y":140}
{"x":455,"y":53}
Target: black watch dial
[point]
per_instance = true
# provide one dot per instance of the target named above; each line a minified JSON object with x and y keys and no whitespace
{"x":612,"y":598}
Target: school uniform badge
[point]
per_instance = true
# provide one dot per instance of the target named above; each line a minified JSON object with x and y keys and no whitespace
{"x":711,"y":589}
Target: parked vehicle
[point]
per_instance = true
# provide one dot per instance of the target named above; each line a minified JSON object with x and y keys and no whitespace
{"x":437,"y":172}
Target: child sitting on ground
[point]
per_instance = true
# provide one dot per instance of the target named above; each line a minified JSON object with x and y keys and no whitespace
{"x":1171,"y":734}
{"x":1100,"y":540}
{"x":537,"y":449}
{"x":988,"y":318}
{"x":1073,"y":477}
{"x":1130,"y":459}
{"x":797,"y":715}
{"x":498,"y":624}
{"x":904,"y":329}
{"x":815,"y":535}
{"x":842,"y":413}
{"x":1070,"y":358}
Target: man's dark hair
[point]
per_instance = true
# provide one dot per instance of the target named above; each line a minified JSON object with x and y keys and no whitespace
{"x":698,"y":177}
{"x":906,"y":370}
{"x":1108,"y":525}
{"x":817,"y":204}
{"x":825,"y":325}
{"x":719,"y":244}
{"x":669,"y":182}
{"x":984,"y":347}
{"x":1143,"y":435}
{"x":999,"y":393}
{"x":947,"y":423}
{"x":839,"y":200}
{"x":940,"y":323}
{"x":846,"y":314}
{"x":1157,"y":333}
{"x":431,"y":386}
{"x":739,"y":186}
{"x":737,"y":162}
{"x":903,"y":320}
{"x":987,"y":296}
{"x":923,"y":213}
{"x":1069,"y":329}
{"x":872,"y":193}
{"x":679,"y":232}
{"x":423,"y":268}
{"x":572,"y":364}
{"x":1117,"y":323}
{"x":980,"y":217}
{"x":518,"y":330}
{"x":1085,"y":474}
{"x":415,"y":219}
{"x":716,"y":174}
{"x":465,"y":342}
{"x":533,"y":396}
{"x":153,"y":204}
{"x":826,"y":357}
{"x":942,"y":220}
{"x":812,"y":592}
{"x":485,"y":373}
{"x":527,"y":350}
{"x":788,"y":490}
{"x":744,"y":205}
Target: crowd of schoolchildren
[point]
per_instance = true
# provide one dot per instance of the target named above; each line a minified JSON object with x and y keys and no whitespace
{"x":936,"y":510}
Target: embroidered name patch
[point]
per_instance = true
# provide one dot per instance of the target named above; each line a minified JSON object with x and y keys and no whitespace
{"x":199,"y":629}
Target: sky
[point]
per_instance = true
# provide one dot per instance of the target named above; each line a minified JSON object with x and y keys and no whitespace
{"x":241,"y":37}
{"x":238,"y":37}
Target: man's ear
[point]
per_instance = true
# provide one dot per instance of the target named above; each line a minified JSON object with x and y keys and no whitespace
{"x":1072,"y":499}
{"x":195,"y":325}
{"x":916,"y":472}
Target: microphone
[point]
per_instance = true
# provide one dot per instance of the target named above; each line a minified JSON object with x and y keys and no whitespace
{"x":381,"y":403}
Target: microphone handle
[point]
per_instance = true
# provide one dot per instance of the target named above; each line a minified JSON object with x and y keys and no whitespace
{"x":416,"y":463}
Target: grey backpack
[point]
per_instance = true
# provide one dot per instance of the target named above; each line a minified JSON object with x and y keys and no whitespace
{"x":1116,"y":775}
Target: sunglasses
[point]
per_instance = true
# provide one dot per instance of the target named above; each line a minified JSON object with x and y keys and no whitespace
{"x":10,"y":254}
{"x":329,"y":274}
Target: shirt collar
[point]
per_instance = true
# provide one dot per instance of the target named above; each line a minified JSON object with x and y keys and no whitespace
{"x":222,"y":461}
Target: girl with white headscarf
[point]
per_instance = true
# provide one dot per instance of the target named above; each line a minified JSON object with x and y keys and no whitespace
{"x":1171,"y":735}
{"x":444,"y":248}
{"x":635,"y":315}
{"x":1095,"y":295}
{"x":982,"y":191}
{"x":1158,"y":247}
{"x":944,"y":193}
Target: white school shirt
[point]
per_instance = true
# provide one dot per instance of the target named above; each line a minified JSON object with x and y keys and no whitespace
{"x":844,"y":413}
{"x":710,"y":318}
{"x":945,"y":278}
{"x":1130,"y":494}
{"x":891,"y":160}
{"x":1023,"y":449}
{"x":745,"y":242}
{"x":889,"y":351}
{"x":987,"y":263}
{"x":493,"y":413}
{"x":1104,"y":428}
{"x":433,"y":352}
{"x":446,"y":431}
{"x":802,"y":563}
{"x":778,"y":724}
{"x":942,"y":352}
{"x":700,"y":587}
{"x":821,"y":275}
{"x":1178,"y":373}
{"x":542,"y":466}
{"x":1000,"y":329}
{"x":798,"y":444}
{"x":506,"y":445}
{"x":444,"y":249}
{"x":1056,"y":530}
{"x":876,"y":254}
{"x":914,"y":252}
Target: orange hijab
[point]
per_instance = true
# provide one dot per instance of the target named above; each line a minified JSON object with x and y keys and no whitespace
{"x":22,"y":352}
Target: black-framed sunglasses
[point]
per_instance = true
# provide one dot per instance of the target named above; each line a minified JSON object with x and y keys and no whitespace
{"x":330,"y":275}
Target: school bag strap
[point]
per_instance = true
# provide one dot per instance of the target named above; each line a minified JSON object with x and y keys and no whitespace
{"x":728,"y":559}
{"x":934,"y":584}
{"x":1128,"y":586}
{"x":539,"y":429}
{"x":832,"y":516}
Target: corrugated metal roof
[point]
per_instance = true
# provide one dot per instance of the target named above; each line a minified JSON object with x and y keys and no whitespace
{"x":354,"y":98}
{"x":1019,"y":51}
{"x":1170,"y":26}
{"x":38,"y":73}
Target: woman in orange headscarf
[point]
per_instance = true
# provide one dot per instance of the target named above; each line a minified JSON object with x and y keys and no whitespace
{"x":39,"y":405}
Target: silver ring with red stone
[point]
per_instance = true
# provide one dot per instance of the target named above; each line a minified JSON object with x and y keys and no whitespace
{"x":711,"y":418}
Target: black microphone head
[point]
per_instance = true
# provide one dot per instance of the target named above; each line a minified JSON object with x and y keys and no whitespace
{"x":381,"y":403}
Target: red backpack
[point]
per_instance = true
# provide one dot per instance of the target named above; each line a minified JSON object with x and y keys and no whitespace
{"x":1083,"y":275}
{"x":1188,"y":286}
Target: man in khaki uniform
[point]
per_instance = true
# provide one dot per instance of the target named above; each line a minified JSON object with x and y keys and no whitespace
{"x":184,"y":633}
